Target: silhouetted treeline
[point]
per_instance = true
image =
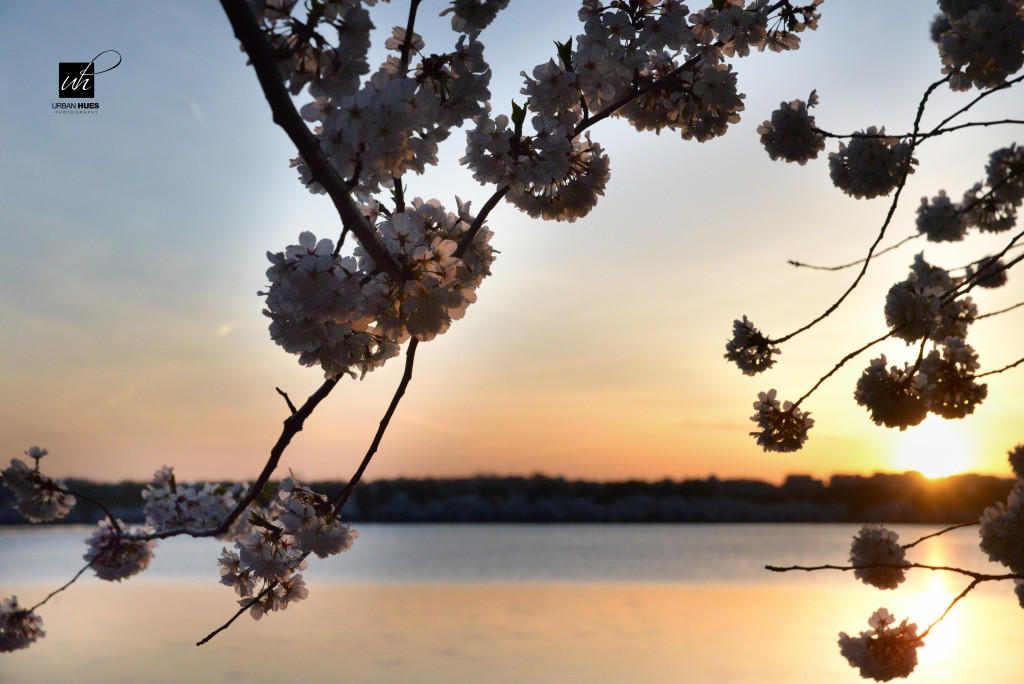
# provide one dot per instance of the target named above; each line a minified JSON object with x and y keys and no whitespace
{"x":907,"y":498}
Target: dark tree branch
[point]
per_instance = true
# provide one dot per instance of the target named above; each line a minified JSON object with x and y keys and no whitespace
{"x":265,"y":64}
{"x":287,"y":399}
{"x":292,"y":425}
{"x":338,"y":502}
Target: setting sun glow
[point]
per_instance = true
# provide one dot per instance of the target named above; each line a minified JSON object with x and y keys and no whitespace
{"x":935,"y":448}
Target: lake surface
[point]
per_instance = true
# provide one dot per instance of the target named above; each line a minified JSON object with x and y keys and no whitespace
{"x":512,"y":603}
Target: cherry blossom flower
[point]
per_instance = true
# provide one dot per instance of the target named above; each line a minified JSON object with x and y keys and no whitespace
{"x":749,"y":348}
{"x":19,"y":627}
{"x":782,"y":428}
{"x":1002,"y":530}
{"x":1017,"y":460}
{"x":170,"y":505}
{"x":989,"y":274}
{"x":941,"y":220}
{"x":871,"y":165}
{"x":115,"y":556}
{"x":949,"y":383}
{"x":37,"y":497}
{"x":790,"y":135}
{"x":892,"y":395}
{"x":983,"y":44}
{"x":876,"y":545}
{"x":884,"y":652}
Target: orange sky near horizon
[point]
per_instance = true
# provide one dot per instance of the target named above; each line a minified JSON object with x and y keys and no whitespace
{"x":134,"y":244}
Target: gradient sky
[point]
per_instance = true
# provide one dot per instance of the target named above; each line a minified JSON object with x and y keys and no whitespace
{"x":132,"y":244}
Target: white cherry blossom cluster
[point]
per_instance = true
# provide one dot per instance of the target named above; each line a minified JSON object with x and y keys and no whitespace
{"x":783,"y":427}
{"x":310,"y":519}
{"x":19,"y":627}
{"x":115,"y":553}
{"x":918,"y":307}
{"x":871,"y":165}
{"x":36,"y":496}
{"x":941,"y":220}
{"x":948,"y":377}
{"x":894,"y":396}
{"x":1002,"y":530}
{"x":790,"y":134}
{"x":885,"y":652}
{"x":473,"y":16}
{"x":170,"y":505}
{"x":749,"y":348}
{"x":266,"y":569}
{"x":981,"y":42}
{"x":1016,"y":457}
{"x":338,"y":312}
{"x":376,"y":130}
{"x":875,"y":545}
{"x":990,"y":273}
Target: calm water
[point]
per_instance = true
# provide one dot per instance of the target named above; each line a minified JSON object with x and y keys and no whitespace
{"x":516,"y":603}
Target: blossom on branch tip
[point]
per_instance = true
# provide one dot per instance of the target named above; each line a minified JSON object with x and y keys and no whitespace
{"x":790,"y":135}
{"x":872,"y":164}
{"x":783,"y":428}
{"x":749,"y":348}
{"x":892,"y":395}
{"x":37,"y":497}
{"x":875,"y":545}
{"x":983,"y":44}
{"x":1002,"y":530}
{"x":115,"y":555}
{"x":19,"y":627}
{"x":949,"y":383}
{"x":1016,"y":457}
{"x":940,"y":220}
{"x":884,"y":652}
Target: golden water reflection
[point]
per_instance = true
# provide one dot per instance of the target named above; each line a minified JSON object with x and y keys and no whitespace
{"x":512,"y":633}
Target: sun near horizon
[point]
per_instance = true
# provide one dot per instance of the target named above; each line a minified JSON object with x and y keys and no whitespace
{"x":935,"y":448}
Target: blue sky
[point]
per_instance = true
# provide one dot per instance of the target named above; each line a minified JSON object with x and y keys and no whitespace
{"x":133,"y":244}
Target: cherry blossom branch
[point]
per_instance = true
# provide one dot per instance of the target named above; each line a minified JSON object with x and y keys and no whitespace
{"x":885,"y":224}
{"x":265,"y":64}
{"x":293,"y":424}
{"x":94,"y":502}
{"x":980,"y":576}
{"x":976,"y":100}
{"x":890,"y":248}
{"x":66,"y":584}
{"x":410,"y":357}
{"x":842,"y":362}
{"x":969,"y":523}
{"x":1003,"y":369}
{"x":970,"y":587}
{"x":287,"y":399}
{"x":1001,"y":311}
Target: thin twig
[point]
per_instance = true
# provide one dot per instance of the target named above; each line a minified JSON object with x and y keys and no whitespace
{"x":287,"y":399}
{"x":842,"y":362}
{"x":1000,"y":370}
{"x":94,"y":502}
{"x":66,"y":584}
{"x":885,"y":224}
{"x":936,"y":534}
{"x":338,"y":502}
{"x":1001,"y":311}
{"x":292,"y":425}
{"x":800,"y":264}
{"x":984,"y":577}
{"x":952,"y":603}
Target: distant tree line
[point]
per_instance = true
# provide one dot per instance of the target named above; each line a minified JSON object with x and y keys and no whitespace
{"x":895,"y":498}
